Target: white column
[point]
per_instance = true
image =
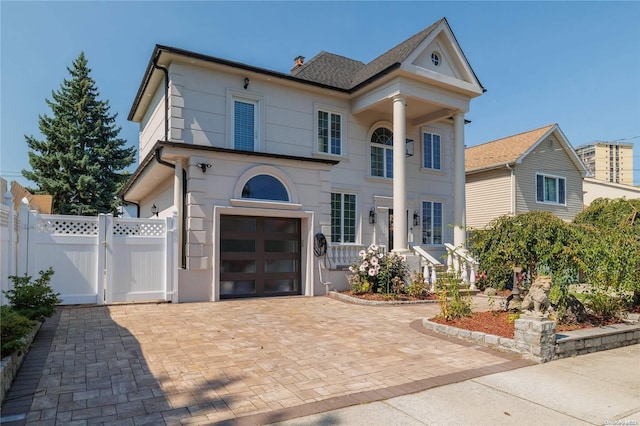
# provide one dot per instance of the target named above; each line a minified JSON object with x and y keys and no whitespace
{"x":459,"y":202}
{"x":399,"y":175}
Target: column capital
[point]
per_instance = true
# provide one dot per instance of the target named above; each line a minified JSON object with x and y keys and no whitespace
{"x":400,"y":98}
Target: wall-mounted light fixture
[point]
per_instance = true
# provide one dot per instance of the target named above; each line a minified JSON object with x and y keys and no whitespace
{"x":372,"y":216}
{"x":246,"y":83}
{"x":204,"y":166}
{"x":409,"y":147}
{"x":416,"y":218}
{"x":154,"y":210}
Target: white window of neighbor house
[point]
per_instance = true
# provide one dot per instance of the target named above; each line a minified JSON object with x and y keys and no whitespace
{"x":343,"y":218}
{"x":550,"y":189}
{"x":431,"y":151}
{"x":330,"y":131}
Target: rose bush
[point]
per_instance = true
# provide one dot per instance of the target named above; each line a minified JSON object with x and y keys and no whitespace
{"x":378,"y":272}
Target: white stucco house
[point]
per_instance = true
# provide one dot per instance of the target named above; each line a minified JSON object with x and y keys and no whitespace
{"x":256,"y":163}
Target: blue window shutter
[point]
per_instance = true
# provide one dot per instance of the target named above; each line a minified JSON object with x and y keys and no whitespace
{"x":243,"y":126}
{"x":540,"y":188}
{"x":561,"y":191}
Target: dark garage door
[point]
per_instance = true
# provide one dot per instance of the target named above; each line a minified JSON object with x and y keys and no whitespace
{"x":259,"y":256}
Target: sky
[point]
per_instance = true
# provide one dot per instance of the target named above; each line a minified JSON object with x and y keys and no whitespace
{"x":572,"y":63}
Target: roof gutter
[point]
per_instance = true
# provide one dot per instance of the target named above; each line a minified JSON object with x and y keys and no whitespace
{"x":158,"y":157}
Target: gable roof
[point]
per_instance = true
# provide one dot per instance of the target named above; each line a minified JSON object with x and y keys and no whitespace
{"x":325,"y":70}
{"x":347,"y":73}
{"x":394,"y":55}
{"x":43,"y":203}
{"x":329,"y":69}
{"x":503,"y":151}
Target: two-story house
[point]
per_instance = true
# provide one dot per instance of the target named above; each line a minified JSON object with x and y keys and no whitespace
{"x":262,"y":167}
{"x":536,"y":170}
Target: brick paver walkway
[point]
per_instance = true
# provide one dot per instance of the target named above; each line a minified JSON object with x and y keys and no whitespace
{"x":249,"y":361}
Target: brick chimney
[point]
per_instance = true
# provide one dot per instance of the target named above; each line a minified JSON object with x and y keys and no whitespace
{"x":298,"y":61}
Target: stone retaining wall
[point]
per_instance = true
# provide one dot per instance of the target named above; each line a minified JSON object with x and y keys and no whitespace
{"x":537,"y":340}
{"x":585,"y":341}
{"x":10,"y":364}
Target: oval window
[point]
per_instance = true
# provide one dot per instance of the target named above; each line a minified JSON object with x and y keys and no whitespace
{"x":265,"y":187}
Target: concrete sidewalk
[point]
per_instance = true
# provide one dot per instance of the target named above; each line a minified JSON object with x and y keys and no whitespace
{"x":601,"y":388}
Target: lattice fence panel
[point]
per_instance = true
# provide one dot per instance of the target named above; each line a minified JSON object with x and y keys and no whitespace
{"x":139,"y":229}
{"x":66,"y":226}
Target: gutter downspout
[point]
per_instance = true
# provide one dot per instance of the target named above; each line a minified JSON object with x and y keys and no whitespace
{"x":182,"y":176}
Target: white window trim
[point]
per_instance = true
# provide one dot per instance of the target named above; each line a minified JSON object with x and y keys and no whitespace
{"x":357,"y":217}
{"x":432,"y":132}
{"x":266,"y":170}
{"x":552,"y":203}
{"x":317,"y":107}
{"x":389,"y":126}
{"x":232,"y":96}
{"x":442,"y":225}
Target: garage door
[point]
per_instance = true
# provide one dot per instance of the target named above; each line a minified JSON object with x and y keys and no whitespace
{"x":259,"y":256}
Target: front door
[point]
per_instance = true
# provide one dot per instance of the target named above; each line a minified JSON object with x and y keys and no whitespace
{"x":259,"y":256}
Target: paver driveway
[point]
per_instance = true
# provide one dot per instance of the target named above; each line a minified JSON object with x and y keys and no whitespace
{"x":254,"y":361}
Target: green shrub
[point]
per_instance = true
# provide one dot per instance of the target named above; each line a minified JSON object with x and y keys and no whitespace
{"x":376,"y":270}
{"x":418,"y":285}
{"x":452,"y":304}
{"x":603,"y":304}
{"x":14,"y":327}
{"x":35,"y":300}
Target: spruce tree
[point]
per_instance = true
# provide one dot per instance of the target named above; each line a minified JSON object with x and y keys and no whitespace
{"x":81,"y":161}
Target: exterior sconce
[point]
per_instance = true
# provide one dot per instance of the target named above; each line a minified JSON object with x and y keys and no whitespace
{"x":372,"y":216}
{"x":246,"y":83}
{"x":204,"y":166}
{"x":154,"y":210}
{"x":409,"y":147}
{"x":416,"y":218}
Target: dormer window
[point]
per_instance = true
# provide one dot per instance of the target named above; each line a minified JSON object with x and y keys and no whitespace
{"x":435,"y":58}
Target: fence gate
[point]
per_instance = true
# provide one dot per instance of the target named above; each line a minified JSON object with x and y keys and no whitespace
{"x":101,"y":259}
{"x":138,"y":266}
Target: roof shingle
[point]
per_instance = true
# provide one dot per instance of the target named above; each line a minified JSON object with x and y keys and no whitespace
{"x":502,"y":151}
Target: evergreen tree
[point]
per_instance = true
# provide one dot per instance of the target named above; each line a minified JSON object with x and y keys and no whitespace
{"x":81,"y":162}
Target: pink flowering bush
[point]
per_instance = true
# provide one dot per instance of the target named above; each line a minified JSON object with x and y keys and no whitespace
{"x":378,"y":272}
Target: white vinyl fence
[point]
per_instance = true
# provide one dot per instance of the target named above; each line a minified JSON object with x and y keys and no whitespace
{"x":99,"y":260}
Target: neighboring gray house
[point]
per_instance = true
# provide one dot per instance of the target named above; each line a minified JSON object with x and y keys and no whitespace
{"x":536,"y":170}
{"x":256,"y":163}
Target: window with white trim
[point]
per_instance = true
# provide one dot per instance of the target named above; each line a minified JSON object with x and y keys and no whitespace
{"x":329,"y":132}
{"x":382,"y":152}
{"x":431,"y":151}
{"x":431,"y":222}
{"x":343,"y":218}
{"x":245,"y":124}
{"x":550,"y":189}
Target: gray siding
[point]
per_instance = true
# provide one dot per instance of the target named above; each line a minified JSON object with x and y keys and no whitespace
{"x":488,"y":196}
{"x":550,"y":160}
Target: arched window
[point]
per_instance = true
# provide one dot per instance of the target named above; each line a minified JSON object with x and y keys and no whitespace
{"x":382,"y":152}
{"x":265,"y":187}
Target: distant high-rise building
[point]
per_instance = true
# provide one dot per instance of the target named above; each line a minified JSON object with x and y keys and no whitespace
{"x":608,"y":161}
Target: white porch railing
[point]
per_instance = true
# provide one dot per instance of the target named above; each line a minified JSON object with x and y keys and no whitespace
{"x":459,"y":260}
{"x":428,"y":264}
{"x":343,"y":255}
